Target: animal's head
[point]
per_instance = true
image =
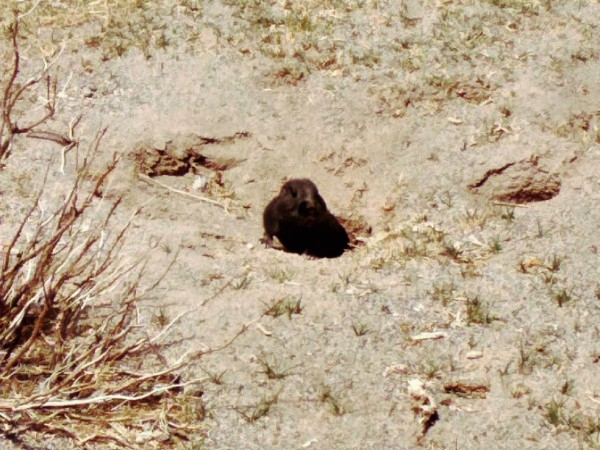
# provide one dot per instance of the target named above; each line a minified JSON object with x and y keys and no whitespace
{"x":303,"y":197}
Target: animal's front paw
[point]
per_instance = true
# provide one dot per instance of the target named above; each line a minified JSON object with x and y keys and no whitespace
{"x":267,"y":241}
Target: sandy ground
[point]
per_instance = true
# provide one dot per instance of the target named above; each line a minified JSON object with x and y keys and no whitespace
{"x":419,"y":103}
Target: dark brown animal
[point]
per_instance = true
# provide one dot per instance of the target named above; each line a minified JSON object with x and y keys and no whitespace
{"x":299,"y":218}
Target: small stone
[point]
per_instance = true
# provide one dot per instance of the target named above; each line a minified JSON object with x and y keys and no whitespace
{"x":475,"y":354}
{"x":429,"y":335}
{"x":200,"y":183}
{"x":88,"y":92}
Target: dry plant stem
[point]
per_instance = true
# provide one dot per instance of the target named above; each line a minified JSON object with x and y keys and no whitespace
{"x":13,"y":405}
{"x":186,"y":194}
{"x":513,"y":205}
{"x":68,"y":143}
{"x":166,"y":329}
{"x":241,"y":331}
{"x":51,"y":136}
{"x":7,"y":97}
{"x":48,"y":291}
{"x":48,"y":253}
{"x":13,"y":93}
{"x":25,"y":14}
{"x":11,"y":246}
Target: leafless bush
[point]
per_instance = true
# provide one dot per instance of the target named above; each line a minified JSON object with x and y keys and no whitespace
{"x":75,"y":357}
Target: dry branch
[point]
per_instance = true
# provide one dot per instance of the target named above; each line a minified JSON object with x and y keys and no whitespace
{"x":13,"y":100}
{"x":147,"y":179}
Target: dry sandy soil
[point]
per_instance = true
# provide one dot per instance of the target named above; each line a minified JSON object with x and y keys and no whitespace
{"x":459,"y":138}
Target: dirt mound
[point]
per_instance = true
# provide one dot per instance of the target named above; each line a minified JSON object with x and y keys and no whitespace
{"x":519,"y":182}
{"x":181,"y":155}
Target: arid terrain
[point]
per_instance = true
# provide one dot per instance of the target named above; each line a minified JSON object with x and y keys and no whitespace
{"x":459,"y":143}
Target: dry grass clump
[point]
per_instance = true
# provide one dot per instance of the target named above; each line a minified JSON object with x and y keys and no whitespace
{"x":304,"y":37}
{"x":113,"y":27}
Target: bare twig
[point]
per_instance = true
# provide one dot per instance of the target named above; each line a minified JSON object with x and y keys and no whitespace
{"x":51,"y":136}
{"x":14,"y":93}
{"x":15,"y":405}
{"x":186,"y":194}
{"x":511,"y":205}
{"x":25,"y":14}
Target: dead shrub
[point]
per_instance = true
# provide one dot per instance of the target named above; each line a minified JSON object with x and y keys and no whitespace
{"x":76,"y":357}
